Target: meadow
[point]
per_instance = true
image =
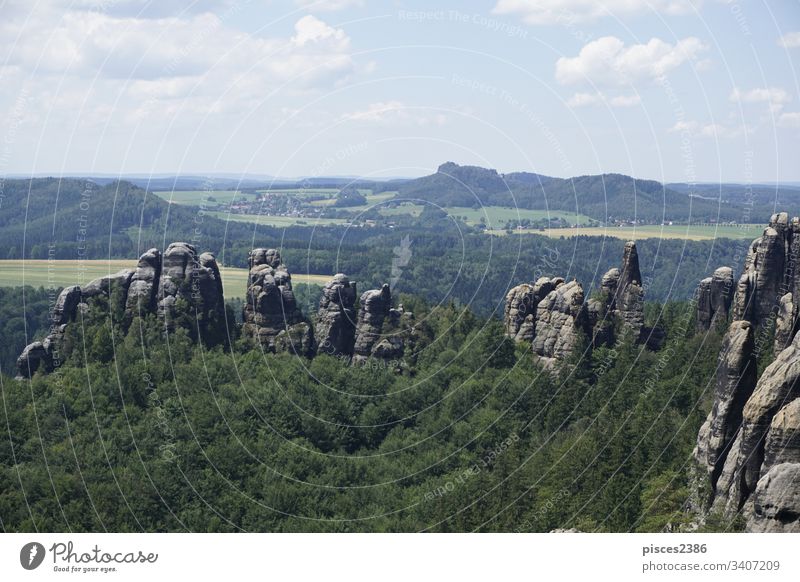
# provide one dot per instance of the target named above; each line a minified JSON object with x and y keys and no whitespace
{"x":698,"y":232}
{"x":198,"y":197}
{"x":61,"y":273}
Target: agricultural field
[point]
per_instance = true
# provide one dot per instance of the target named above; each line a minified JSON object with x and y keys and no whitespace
{"x":279,"y":221}
{"x":684,"y":232}
{"x":372,"y":200}
{"x":497,"y":216}
{"x":43,"y":273}
{"x":198,"y":197}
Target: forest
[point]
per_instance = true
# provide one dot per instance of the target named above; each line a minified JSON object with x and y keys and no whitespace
{"x":150,"y":431}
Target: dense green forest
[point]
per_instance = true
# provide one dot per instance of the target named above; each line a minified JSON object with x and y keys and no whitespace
{"x":148,"y":431}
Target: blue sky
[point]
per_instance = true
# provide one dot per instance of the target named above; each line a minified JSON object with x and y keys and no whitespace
{"x":662,"y":89}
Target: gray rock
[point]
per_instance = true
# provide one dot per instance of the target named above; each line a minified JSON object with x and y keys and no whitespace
{"x":271,"y":308}
{"x":785,"y":324}
{"x":776,"y":501}
{"x":375,"y":307}
{"x":143,"y":286}
{"x":558,"y":325}
{"x":629,"y":301}
{"x":106,"y":285}
{"x":66,"y":305}
{"x":33,"y":358}
{"x":735,"y":382}
{"x":336,"y":319}
{"x":783,"y":439}
{"x":714,"y":297}
{"x":520,"y":313}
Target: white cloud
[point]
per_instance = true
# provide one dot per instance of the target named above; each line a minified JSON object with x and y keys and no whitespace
{"x":608,"y":61}
{"x":570,"y":11}
{"x":790,"y":40}
{"x":329,"y":5}
{"x":707,"y":130}
{"x":789,"y":119}
{"x":587,"y":99}
{"x":396,"y":112}
{"x":775,"y":97}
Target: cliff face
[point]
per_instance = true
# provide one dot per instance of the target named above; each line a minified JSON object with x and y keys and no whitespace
{"x":271,"y":316}
{"x":749,"y":444}
{"x":177,"y":284}
{"x":553,"y":317}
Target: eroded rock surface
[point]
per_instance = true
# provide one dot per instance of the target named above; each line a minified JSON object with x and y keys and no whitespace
{"x":336,"y":318}
{"x":714,"y":297}
{"x":271,"y":315}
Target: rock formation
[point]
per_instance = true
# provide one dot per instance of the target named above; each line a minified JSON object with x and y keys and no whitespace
{"x":336,"y":319}
{"x":714,"y":297}
{"x":552,"y":316}
{"x":375,"y":306}
{"x":735,"y":381}
{"x":155,"y":286}
{"x":271,"y":315}
{"x":558,"y":322}
{"x":749,"y":445}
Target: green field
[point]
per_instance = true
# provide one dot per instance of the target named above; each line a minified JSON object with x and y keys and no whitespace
{"x":279,"y":220}
{"x":686,"y":232}
{"x":42,"y":273}
{"x":198,"y":197}
{"x":497,"y":216}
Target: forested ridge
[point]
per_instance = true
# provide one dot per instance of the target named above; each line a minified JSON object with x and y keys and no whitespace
{"x":147,"y":431}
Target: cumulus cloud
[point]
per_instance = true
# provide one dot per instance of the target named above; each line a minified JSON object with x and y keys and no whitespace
{"x":790,"y":40}
{"x":775,"y":97}
{"x":568,"y":11}
{"x":707,"y":130}
{"x":608,"y":61}
{"x":587,"y":99}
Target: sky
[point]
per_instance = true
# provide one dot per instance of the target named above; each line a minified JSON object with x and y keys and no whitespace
{"x":671,"y":90}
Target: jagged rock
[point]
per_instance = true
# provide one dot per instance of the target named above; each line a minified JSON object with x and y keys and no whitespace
{"x":336,"y":319}
{"x":66,"y":305}
{"x":776,"y":501}
{"x":143,"y":287}
{"x":784,"y":323}
{"x":520,"y":313}
{"x":714,"y":297}
{"x":735,"y":382}
{"x":783,"y":439}
{"x":33,"y":358}
{"x":271,"y":308}
{"x":558,"y":325}
{"x":106,"y":285}
{"x":770,"y":271}
{"x":777,"y":386}
{"x":196,"y":282}
{"x":375,"y":307}
{"x":520,"y":310}
{"x":629,"y":301}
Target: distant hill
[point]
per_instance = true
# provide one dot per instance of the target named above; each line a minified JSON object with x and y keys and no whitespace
{"x":605,"y":197}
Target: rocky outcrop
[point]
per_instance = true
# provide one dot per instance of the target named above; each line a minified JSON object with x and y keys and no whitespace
{"x":144,"y":285}
{"x":520,"y":309}
{"x":783,"y":439}
{"x":178,"y":283}
{"x":271,"y":315}
{"x":776,"y":501}
{"x":785,"y":323}
{"x":713,"y":298}
{"x":629,"y":299}
{"x":559,"y":322}
{"x":735,"y":382}
{"x":770,"y":273}
{"x":191,"y":285}
{"x":551,"y":315}
{"x":336,"y":318}
{"x":375,"y":306}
